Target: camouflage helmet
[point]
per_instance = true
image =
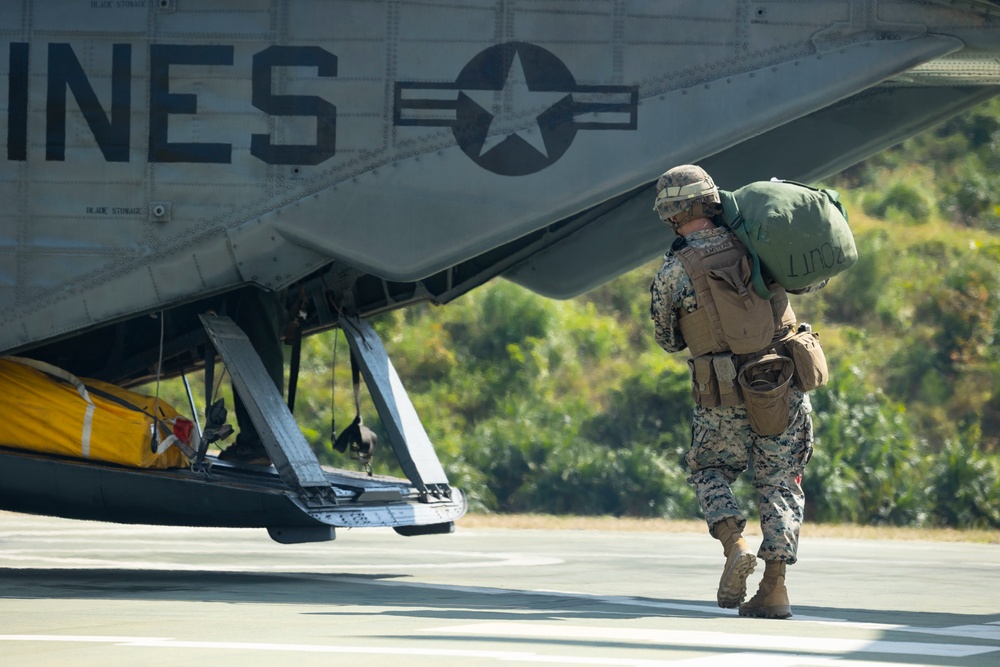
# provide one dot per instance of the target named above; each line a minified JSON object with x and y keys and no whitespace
{"x":684,"y":193}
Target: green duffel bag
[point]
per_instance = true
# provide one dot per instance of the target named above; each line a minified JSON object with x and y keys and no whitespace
{"x":797,"y":235}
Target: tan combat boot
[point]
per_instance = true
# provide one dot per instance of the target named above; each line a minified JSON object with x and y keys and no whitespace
{"x":740,"y":562}
{"x":771,"y":599}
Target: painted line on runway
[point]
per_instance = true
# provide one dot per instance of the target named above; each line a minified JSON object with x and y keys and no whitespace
{"x":984,"y":631}
{"x":812,"y":559}
{"x":988,"y":631}
{"x":489,"y":560}
{"x":758,"y":659}
{"x":906,"y":563}
{"x":963,"y":631}
{"x":503,"y":656}
{"x":716,"y":639}
{"x":744,"y":659}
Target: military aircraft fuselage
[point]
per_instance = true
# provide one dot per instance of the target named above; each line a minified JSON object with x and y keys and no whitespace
{"x":372,"y":154}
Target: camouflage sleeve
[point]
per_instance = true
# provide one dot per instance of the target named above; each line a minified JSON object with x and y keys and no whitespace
{"x":667,"y":297}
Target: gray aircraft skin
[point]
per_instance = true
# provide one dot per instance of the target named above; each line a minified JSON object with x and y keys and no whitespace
{"x":361,"y":156}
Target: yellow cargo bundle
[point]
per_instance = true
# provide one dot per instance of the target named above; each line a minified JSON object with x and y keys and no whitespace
{"x":46,"y":409}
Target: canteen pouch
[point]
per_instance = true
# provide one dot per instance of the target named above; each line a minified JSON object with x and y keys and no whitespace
{"x":811,"y":370}
{"x":765,"y":383}
{"x":704,"y":385}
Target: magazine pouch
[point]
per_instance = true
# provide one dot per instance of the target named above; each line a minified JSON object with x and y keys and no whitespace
{"x":724,"y":366}
{"x":704,"y":384}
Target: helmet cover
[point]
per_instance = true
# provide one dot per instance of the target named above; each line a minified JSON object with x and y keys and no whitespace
{"x":686,"y":189}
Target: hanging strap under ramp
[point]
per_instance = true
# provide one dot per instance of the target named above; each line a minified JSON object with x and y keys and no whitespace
{"x":357,"y":437}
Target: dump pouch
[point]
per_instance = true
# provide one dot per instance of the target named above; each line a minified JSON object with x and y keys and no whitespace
{"x":811,"y":370}
{"x":765,"y":383}
{"x":704,"y":385}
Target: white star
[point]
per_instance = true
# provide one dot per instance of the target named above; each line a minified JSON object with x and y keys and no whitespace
{"x":522,"y":102}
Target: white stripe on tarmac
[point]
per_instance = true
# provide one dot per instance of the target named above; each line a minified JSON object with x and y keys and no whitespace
{"x":986,"y":632}
{"x":989,"y":631}
{"x":716,"y":639}
{"x":782,"y":660}
{"x":748,"y":659}
{"x":189,"y":563}
{"x":520,"y":657}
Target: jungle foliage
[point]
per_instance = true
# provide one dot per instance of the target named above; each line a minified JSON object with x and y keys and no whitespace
{"x":537,"y":405}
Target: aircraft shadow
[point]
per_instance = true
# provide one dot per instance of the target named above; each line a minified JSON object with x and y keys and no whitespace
{"x":405,"y":597}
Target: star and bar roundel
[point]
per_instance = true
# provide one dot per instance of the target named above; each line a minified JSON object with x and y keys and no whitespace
{"x":542,"y":108}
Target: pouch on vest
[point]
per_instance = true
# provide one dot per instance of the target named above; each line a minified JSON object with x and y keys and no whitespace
{"x":810,"y":362}
{"x":765,"y":383}
{"x":724,"y":366}
{"x":747,"y":320}
{"x":704,"y":386}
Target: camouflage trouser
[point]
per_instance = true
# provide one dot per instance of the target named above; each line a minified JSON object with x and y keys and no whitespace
{"x":722,"y":447}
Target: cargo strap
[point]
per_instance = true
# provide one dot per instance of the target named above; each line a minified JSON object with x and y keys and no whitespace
{"x":293,"y":332}
{"x":294,"y":364}
{"x":156,"y":445}
{"x":357,"y":437}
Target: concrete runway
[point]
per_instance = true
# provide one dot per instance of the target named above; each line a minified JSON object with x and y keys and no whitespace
{"x":79,"y":593}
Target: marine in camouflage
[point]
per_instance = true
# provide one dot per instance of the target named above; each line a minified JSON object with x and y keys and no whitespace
{"x":723,"y":445}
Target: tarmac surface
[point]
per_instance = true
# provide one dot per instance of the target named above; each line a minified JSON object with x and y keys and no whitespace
{"x":79,"y":593}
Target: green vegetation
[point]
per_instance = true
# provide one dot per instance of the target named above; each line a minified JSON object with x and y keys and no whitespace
{"x":569,"y":407}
